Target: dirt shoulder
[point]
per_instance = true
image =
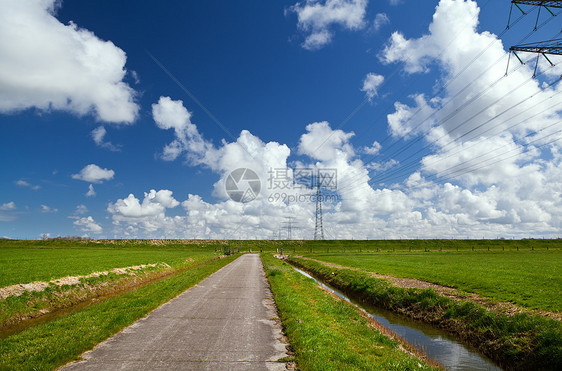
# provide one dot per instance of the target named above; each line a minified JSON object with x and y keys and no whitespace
{"x":450,"y":292}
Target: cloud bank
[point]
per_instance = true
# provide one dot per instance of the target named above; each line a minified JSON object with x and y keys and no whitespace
{"x":48,"y":65}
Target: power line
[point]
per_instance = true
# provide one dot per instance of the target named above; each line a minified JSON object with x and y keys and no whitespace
{"x":412,"y":164}
{"x":458,"y":93}
{"x":403,"y":167}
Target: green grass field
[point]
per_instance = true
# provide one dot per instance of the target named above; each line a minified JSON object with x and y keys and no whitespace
{"x":331,"y":246}
{"x":28,"y":261}
{"x":532,"y":279}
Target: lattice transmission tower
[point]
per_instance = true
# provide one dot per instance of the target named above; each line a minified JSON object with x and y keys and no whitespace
{"x":318,"y":227}
{"x":543,"y":48}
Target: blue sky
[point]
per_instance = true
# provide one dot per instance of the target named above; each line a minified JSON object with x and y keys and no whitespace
{"x":405,"y":99}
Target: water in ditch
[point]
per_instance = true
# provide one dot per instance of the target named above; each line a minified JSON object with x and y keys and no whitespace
{"x":435,"y":343}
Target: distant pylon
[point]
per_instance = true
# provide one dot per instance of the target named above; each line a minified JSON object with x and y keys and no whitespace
{"x":290,"y":227}
{"x":318,"y":228}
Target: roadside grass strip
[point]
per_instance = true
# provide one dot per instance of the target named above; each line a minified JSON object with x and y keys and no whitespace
{"x":53,"y":344}
{"x":326,"y":333}
{"x":521,"y":341}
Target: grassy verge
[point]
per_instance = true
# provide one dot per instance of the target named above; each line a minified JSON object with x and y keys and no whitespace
{"x":531,"y":279}
{"x":522,"y":341}
{"x":47,"y":346}
{"x":326,"y":333}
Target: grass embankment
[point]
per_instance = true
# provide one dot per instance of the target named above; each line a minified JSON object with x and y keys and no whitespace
{"x":23,"y":262}
{"x":47,"y":346}
{"x":327,"y":333}
{"x":531,"y":279}
{"x":522,"y":341}
{"x":28,"y":261}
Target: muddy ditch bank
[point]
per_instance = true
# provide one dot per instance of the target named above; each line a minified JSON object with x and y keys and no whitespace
{"x":520,"y":341}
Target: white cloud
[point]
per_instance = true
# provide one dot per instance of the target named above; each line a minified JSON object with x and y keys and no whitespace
{"x":98,"y":135}
{"x":463,"y":123}
{"x":149,"y":215}
{"x":531,"y":205}
{"x":373,"y":149}
{"x":395,"y":2}
{"x":171,"y":114}
{"x":88,"y":225}
{"x":8,"y":211}
{"x":81,"y":209}
{"x":371,"y":84}
{"x":519,"y":197}
{"x":322,"y":143}
{"x":318,"y":18}
{"x":91,"y":191}
{"x":51,"y":66}
{"x":47,"y":209}
{"x":381,"y":19}
{"x":8,"y":206}
{"x":24,"y":183}
{"x":94,"y":174}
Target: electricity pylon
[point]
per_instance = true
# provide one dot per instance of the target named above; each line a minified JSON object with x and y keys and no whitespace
{"x":318,"y":227}
{"x":543,"y":48}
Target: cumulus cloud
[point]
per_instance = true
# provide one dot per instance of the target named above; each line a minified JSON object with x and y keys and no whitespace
{"x":91,"y":191}
{"x":373,"y":149}
{"x":81,"y":209}
{"x":497,"y":136}
{"x":148,"y":214}
{"x":371,"y":84}
{"x":419,"y":207}
{"x":381,"y":19}
{"x":319,"y":18}
{"x":8,"y":211}
{"x":8,"y":206}
{"x":171,"y":114}
{"x":48,"y":65}
{"x":520,"y":197}
{"x":47,"y":209}
{"x":24,"y":183}
{"x":94,"y":174}
{"x":322,"y":143}
{"x":88,"y":225}
{"x":478,"y":107}
{"x":98,"y":135}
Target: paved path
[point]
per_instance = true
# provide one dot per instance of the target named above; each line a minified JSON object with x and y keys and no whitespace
{"x":227,"y":322}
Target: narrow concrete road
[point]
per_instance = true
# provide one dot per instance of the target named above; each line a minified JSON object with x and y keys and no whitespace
{"x":227,"y":322}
